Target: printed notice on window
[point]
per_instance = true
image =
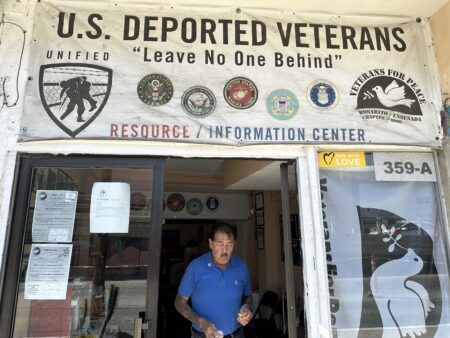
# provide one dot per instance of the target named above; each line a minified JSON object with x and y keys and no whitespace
{"x":110,"y":207}
{"x":48,"y":271}
{"x":54,"y":215}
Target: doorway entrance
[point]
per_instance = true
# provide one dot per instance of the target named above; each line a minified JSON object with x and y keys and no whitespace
{"x":247,"y":195}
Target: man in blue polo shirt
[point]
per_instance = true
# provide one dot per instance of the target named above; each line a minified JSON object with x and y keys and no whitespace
{"x":218,"y":285}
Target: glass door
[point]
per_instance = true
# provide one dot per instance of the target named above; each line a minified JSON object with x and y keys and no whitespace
{"x":83,"y":256}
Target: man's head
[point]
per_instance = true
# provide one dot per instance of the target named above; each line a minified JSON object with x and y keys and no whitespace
{"x":221,"y":242}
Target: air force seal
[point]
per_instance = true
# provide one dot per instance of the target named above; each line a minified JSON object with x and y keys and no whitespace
{"x":282,"y":104}
{"x":198,"y":101}
{"x":323,"y":95}
{"x":155,"y":89}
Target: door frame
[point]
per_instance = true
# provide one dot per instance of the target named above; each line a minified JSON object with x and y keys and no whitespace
{"x":14,"y":239}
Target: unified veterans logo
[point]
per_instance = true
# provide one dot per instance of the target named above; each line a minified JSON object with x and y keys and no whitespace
{"x":282,"y":104}
{"x":323,"y":95}
{"x":240,"y":93}
{"x":155,"y":89}
{"x":198,"y":101}
{"x":385,"y":94}
{"x":74,"y":94}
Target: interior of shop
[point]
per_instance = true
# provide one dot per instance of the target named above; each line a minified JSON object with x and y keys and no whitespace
{"x":245,"y":194}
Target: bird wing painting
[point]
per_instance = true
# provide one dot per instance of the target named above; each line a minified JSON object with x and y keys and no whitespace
{"x":400,"y":278}
{"x":392,"y":95}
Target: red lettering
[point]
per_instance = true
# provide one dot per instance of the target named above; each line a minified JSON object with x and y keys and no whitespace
{"x":113,"y":132}
{"x":155,"y":135}
{"x":175,"y":132}
{"x":144,"y":131}
{"x":124,"y":130}
{"x":185,"y":132}
{"x":134,"y":132}
{"x":165,"y":131}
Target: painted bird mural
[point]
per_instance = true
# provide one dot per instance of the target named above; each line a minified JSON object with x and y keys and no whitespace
{"x":392,"y":95}
{"x":403,"y":304}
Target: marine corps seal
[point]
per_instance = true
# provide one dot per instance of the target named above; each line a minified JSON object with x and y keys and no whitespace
{"x":198,"y":101}
{"x":155,"y":89}
{"x":240,"y":93}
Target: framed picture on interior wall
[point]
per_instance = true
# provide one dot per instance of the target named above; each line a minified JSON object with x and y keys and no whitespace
{"x":259,"y":218}
{"x":260,"y":238}
{"x":259,"y":201}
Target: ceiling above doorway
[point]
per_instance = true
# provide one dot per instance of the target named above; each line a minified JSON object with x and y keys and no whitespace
{"x":229,"y":174}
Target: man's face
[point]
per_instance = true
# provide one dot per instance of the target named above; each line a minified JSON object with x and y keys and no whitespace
{"x":221,"y":248}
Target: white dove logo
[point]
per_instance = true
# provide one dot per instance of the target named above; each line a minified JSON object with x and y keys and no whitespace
{"x":403,"y":304}
{"x":392,"y":95}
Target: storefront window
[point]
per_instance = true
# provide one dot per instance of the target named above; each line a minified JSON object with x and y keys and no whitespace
{"x":385,"y":246}
{"x":85,"y":253}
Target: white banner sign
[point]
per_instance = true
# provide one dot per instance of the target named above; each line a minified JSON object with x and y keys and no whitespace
{"x":221,"y":76}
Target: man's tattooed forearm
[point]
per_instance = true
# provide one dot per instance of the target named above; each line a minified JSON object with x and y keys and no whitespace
{"x":185,"y":310}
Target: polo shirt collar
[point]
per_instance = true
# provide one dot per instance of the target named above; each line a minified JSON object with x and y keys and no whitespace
{"x":210,"y":261}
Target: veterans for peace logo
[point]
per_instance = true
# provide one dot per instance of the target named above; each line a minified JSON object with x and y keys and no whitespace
{"x":323,"y":95}
{"x":282,"y":104}
{"x":240,"y":93}
{"x":388,"y":95}
{"x":155,"y":89}
{"x":74,"y":94}
{"x":198,"y":101}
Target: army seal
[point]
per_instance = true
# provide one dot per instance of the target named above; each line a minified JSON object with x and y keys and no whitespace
{"x":240,"y":93}
{"x":198,"y":101}
{"x":155,"y":89}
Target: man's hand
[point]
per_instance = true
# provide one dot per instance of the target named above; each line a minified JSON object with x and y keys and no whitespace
{"x":209,"y":329}
{"x":244,"y":315}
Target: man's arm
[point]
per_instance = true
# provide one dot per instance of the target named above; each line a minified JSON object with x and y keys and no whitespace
{"x":182,"y":306}
{"x":186,"y":311}
{"x":248,"y":301}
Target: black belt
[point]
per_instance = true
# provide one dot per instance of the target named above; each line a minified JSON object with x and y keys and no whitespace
{"x":230,"y":335}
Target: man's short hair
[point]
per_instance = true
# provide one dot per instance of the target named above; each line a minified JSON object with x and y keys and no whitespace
{"x":224,"y":228}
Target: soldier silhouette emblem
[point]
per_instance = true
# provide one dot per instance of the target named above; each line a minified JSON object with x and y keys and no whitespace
{"x":69,"y":88}
{"x":76,"y":90}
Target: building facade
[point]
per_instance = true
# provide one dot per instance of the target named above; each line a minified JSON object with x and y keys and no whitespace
{"x":129,"y":129}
